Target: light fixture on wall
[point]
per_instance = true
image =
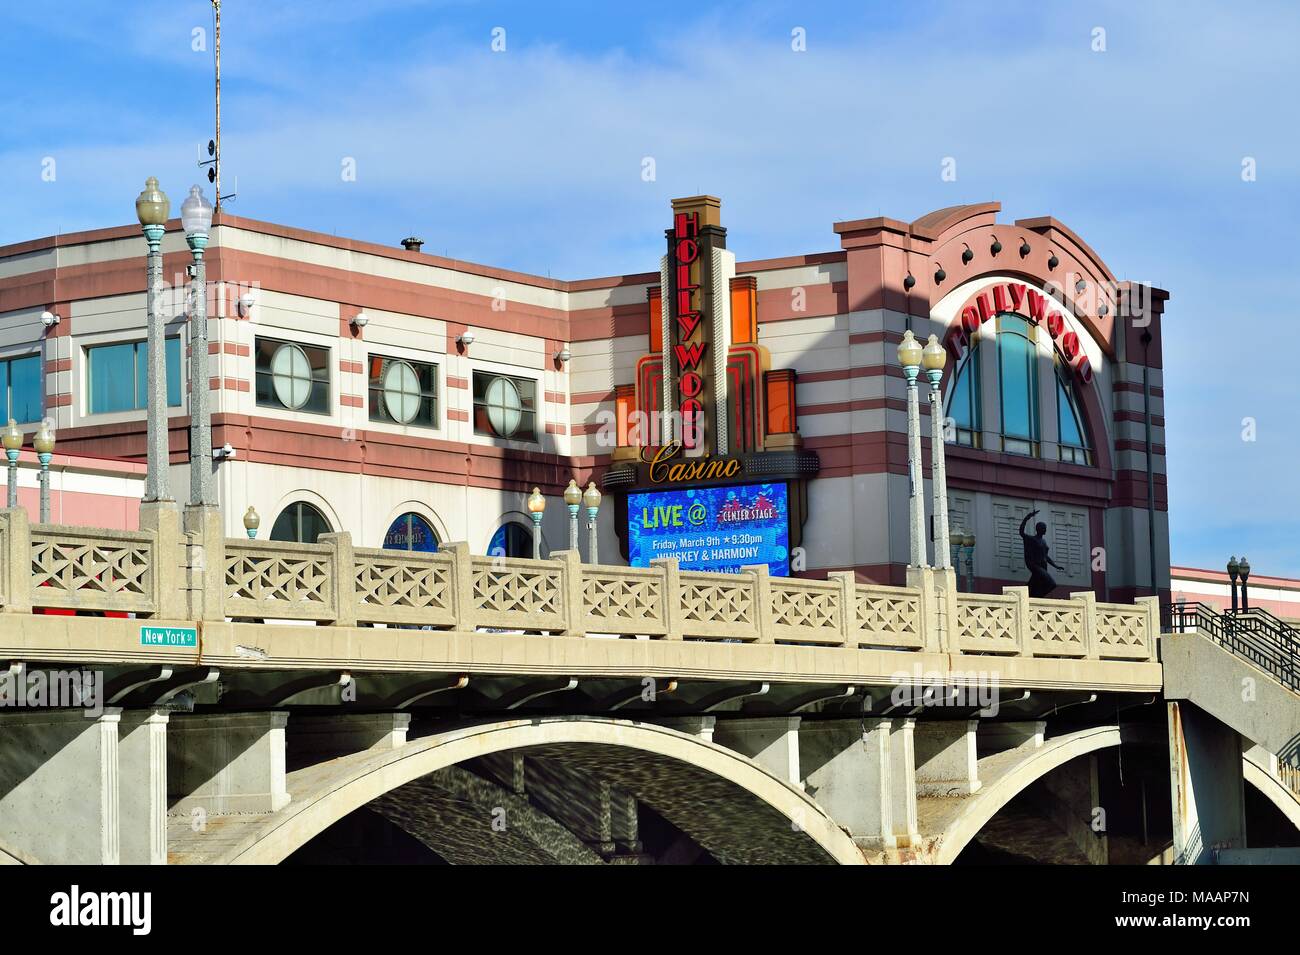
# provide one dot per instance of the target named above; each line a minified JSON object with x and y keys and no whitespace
{"x":563,"y":355}
{"x":246,"y":303}
{"x":465,"y":339}
{"x":50,"y":319}
{"x":227,"y":450}
{"x":909,"y":282}
{"x":360,"y":320}
{"x":1024,"y":247}
{"x":996,"y":247}
{"x":967,"y":255}
{"x":1080,"y":285}
{"x":939,"y":275}
{"x":1053,"y":261}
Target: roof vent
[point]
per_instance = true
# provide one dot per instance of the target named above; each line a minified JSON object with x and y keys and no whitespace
{"x":412,"y":244}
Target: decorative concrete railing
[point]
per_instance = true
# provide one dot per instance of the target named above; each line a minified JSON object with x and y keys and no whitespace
{"x":170,"y":574}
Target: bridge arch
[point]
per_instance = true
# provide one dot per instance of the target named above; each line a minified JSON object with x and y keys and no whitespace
{"x":325,"y":793}
{"x":999,"y":790}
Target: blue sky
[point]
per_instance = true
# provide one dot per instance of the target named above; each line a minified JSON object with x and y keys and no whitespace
{"x":496,"y":157}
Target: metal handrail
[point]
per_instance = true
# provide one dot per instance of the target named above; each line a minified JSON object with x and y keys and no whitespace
{"x":1259,"y":638}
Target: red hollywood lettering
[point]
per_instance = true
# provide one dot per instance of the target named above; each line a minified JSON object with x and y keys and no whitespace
{"x":1017,"y":296}
{"x":688,"y":356}
{"x":1037,"y":305}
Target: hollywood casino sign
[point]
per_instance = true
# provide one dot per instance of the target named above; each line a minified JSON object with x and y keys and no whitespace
{"x":1012,"y":297}
{"x":690,"y":383}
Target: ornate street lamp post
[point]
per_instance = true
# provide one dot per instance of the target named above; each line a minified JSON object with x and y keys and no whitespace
{"x":1244,"y":567}
{"x":573,"y":501}
{"x":909,"y":356}
{"x":44,"y":445}
{"x":1233,"y":569}
{"x":152,"y":208}
{"x":933,"y":358}
{"x":591,"y":497}
{"x":252,"y":520}
{"x":196,"y":219}
{"x":537,"y":507}
{"x":13,"y":442}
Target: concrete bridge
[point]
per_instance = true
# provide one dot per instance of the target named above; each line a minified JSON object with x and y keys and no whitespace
{"x":264,"y":702}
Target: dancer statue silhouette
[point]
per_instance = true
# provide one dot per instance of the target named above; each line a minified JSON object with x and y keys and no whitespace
{"x":1041,"y":583}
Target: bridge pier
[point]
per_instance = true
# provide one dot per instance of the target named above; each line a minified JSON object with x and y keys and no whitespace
{"x":847,"y":769}
{"x":772,"y":742}
{"x":946,"y":758}
{"x":59,"y":798}
{"x":1206,"y":785}
{"x":227,"y":763}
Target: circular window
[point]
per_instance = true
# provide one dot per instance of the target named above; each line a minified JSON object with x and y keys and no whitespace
{"x":504,"y":406}
{"x":402,"y":392}
{"x":291,"y":376}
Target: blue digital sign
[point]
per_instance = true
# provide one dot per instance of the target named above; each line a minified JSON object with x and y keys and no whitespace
{"x":712,"y":528}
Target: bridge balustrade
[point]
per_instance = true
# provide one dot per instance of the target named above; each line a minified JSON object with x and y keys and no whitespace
{"x":169,"y":575}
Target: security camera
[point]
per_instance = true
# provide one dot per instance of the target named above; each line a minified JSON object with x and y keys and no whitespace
{"x":49,"y":319}
{"x":225,"y":451}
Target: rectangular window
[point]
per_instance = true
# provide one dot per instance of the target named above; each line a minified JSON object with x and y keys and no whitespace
{"x":117,"y":376}
{"x":403,"y":392}
{"x":292,"y":377}
{"x":505,"y":407}
{"x":23,"y":392}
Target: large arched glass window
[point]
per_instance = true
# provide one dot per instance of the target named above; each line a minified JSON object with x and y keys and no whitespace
{"x":300,"y":523}
{"x":964,"y":398}
{"x":1073,"y":432}
{"x":1018,"y":384}
{"x":512,"y":540}
{"x":411,"y":532}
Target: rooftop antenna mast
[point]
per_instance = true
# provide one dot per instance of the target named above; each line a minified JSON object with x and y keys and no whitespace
{"x":214,"y":145}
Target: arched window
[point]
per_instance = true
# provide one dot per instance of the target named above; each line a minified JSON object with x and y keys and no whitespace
{"x":964,"y":398}
{"x":1073,"y":432}
{"x":411,"y":532}
{"x":512,"y":540}
{"x":1018,"y":384}
{"x":300,"y":523}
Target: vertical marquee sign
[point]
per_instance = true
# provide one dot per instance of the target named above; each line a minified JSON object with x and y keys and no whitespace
{"x":696,"y":232}
{"x":690,"y":345}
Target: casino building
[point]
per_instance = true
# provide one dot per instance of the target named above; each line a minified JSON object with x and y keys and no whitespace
{"x":733,"y":412}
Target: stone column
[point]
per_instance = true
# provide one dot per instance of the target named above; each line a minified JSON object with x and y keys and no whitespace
{"x":142,"y":775}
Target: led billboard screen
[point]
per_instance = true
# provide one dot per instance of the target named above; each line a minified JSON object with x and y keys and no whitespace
{"x":712,"y":528}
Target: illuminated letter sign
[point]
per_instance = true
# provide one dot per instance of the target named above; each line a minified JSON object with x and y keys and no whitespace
{"x":690,"y":347}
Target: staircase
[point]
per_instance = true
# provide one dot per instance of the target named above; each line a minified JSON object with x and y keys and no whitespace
{"x":1213,"y":656}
